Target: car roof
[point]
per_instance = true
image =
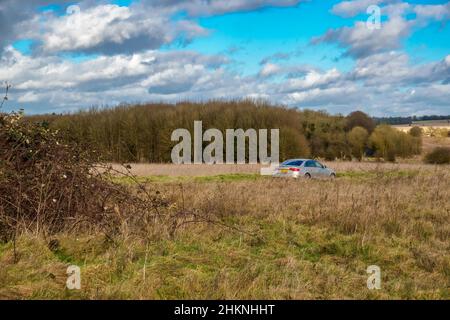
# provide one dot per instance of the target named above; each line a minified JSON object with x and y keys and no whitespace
{"x":297,"y":160}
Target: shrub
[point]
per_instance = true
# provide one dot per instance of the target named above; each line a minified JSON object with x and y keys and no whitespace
{"x":48,"y":187}
{"x":389,"y":143}
{"x":439,"y":155}
{"x":416,"y":131}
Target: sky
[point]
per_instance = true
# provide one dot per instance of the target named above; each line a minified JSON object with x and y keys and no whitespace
{"x":62,"y":56}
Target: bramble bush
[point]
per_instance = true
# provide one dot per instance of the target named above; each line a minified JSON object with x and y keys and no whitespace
{"x":47,"y":186}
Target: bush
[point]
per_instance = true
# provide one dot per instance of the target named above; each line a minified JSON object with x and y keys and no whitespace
{"x":48,"y":187}
{"x":389,"y":143}
{"x":416,"y":131}
{"x":439,"y":155}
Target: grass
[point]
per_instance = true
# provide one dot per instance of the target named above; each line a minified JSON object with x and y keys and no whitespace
{"x":387,"y":174}
{"x":180,"y":179}
{"x":234,"y":177}
{"x":290,"y":240}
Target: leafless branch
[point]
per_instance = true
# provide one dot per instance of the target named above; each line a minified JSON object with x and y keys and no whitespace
{"x":5,"y":98}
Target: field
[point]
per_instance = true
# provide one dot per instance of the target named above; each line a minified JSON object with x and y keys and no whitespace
{"x":431,"y":128}
{"x":264,"y":238}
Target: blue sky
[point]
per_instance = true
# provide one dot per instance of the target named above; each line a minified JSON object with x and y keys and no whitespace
{"x":265,"y":32}
{"x":64,"y":55}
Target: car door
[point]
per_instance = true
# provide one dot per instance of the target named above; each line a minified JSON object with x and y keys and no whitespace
{"x":311,"y":168}
{"x":321,"y":170}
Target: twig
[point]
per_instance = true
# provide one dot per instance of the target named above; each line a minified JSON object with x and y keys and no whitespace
{"x":5,"y":98}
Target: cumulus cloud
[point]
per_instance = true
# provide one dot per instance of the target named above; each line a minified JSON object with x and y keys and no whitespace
{"x":395,"y":68}
{"x":128,"y":65}
{"x":360,"y":41}
{"x":152,"y":72}
{"x":380,"y":84}
{"x":383,"y":83}
{"x":312,"y":79}
{"x":109,"y":29}
{"x":13,"y":13}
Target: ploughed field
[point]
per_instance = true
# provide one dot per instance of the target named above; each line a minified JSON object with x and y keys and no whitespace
{"x":252,"y":237}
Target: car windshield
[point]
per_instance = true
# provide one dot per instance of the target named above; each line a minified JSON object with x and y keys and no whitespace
{"x":294,"y":163}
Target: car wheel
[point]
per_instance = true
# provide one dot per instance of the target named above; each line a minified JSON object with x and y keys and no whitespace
{"x":307,"y":176}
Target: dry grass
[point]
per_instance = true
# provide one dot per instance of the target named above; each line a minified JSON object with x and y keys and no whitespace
{"x":171,"y":170}
{"x":279,"y":239}
{"x":429,"y":143}
{"x":193,"y":170}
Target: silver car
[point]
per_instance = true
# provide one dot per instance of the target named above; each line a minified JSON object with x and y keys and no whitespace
{"x":307,"y":168}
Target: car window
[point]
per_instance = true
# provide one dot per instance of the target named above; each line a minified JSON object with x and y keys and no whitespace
{"x":295,"y":163}
{"x":310,"y":164}
{"x":319,"y":165}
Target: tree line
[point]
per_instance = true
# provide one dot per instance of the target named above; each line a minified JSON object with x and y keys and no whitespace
{"x":142,"y":133}
{"x":409,"y":120}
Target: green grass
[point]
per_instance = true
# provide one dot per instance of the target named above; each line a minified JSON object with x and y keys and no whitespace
{"x":367,"y":175}
{"x":286,"y":260}
{"x":177,"y":179}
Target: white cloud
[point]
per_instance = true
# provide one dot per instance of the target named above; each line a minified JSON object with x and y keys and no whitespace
{"x":110,"y":29}
{"x":360,"y":41}
{"x":128,"y":67}
{"x":312,"y":79}
{"x":34,"y":77}
{"x":395,"y":68}
{"x":269,"y":69}
{"x":437,"y":12}
{"x":349,"y":9}
{"x":380,"y":84}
